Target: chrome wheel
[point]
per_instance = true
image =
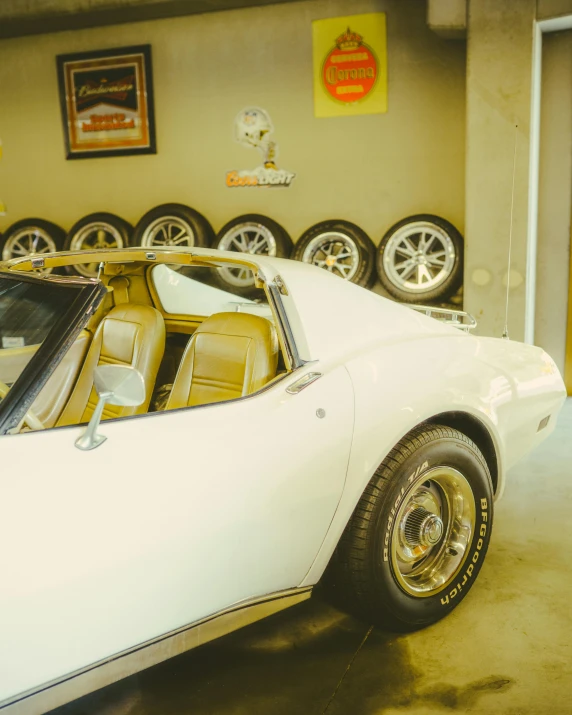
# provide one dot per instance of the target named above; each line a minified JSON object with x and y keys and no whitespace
{"x":432,"y":531}
{"x":419,"y":257}
{"x":168,"y":231}
{"x":94,"y":236}
{"x":252,"y":238}
{"x":335,"y":252}
{"x":29,"y":241}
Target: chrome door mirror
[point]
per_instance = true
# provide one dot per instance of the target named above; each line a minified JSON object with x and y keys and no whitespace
{"x":116,"y":385}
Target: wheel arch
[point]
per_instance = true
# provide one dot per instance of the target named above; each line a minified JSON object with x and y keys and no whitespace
{"x":471,"y":425}
{"x":475,"y":430}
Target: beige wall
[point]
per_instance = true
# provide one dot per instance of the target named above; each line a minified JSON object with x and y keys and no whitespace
{"x":373,"y":170}
{"x":555,"y":195}
{"x":552,"y":8}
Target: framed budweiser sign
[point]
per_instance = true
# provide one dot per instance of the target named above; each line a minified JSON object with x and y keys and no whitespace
{"x":106,"y":99}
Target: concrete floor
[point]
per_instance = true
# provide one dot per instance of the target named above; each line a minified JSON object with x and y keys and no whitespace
{"x":506,"y":649}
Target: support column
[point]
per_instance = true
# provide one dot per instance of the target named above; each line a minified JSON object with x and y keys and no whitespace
{"x":499,"y":80}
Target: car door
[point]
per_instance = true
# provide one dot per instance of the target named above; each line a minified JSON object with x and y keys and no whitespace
{"x":176,"y":516}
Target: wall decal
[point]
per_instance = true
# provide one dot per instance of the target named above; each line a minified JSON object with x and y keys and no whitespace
{"x":350,"y":65}
{"x":253,"y":128}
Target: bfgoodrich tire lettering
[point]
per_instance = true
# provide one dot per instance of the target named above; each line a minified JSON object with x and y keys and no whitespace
{"x":420,"y":532}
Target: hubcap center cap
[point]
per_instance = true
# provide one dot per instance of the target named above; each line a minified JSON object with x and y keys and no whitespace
{"x":423,"y":528}
{"x":331,"y":261}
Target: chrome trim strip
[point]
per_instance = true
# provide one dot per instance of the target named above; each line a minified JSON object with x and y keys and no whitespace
{"x":110,"y":670}
{"x":457,"y":318}
{"x":274,"y":295}
{"x":303,"y":382}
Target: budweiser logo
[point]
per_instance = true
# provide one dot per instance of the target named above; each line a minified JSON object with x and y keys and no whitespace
{"x":118,"y":89}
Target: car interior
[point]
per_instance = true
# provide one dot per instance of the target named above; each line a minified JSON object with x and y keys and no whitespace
{"x":188,"y":356}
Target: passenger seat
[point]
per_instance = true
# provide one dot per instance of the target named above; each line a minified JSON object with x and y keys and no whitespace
{"x":229,"y":355}
{"x":130,"y":334}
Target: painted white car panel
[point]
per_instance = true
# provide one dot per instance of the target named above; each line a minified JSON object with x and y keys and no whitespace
{"x":339,"y":319}
{"x":146,"y":534}
{"x":187,"y":512}
{"x":398,"y":386}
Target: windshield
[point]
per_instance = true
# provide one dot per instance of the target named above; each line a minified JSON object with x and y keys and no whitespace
{"x":35,"y":313}
{"x":28,"y":312}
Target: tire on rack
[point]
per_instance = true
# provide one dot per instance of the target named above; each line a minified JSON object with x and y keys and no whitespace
{"x":29,"y":237}
{"x":340,"y":247}
{"x":420,"y":259}
{"x":95,"y":231}
{"x":420,"y":532}
{"x":252,"y":234}
{"x":173,"y":225}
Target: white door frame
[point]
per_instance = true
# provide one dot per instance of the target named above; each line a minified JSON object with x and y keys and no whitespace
{"x":556,"y":24}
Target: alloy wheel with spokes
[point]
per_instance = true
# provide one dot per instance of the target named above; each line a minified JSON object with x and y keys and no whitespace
{"x":248,"y":238}
{"x":32,"y":237}
{"x":420,"y":259}
{"x":341,"y":248}
{"x":168,"y":231}
{"x":173,"y":225}
{"x":97,"y":231}
{"x":253,"y":234}
{"x":335,"y":252}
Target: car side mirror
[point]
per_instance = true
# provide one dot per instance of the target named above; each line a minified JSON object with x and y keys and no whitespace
{"x":116,"y":385}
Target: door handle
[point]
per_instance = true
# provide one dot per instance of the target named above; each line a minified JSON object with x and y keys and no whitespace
{"x":303,"y":382}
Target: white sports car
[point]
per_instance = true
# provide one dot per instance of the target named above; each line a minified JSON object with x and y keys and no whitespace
{"x":247,"y":445}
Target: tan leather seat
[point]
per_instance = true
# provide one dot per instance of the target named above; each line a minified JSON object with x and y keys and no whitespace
{"x":129,"y":334}
{"x":229,"y":355}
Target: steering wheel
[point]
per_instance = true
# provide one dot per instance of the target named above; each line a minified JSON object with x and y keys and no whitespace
{"x":30,"y":418}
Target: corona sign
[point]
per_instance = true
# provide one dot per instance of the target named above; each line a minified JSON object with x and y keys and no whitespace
{"x":350,"y":66}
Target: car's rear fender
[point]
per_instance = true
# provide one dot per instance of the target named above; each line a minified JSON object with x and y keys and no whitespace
{"x":499,"y":390}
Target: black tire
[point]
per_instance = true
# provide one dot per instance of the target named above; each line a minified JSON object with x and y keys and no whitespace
{"x":249,"y":233}
{"x":96,"y":230}
{"x":367,"y":559}
{"x":316,"y":246}
{"x":443,"y":281}
{"x":22,"y":235}
{"x":152,"y":230}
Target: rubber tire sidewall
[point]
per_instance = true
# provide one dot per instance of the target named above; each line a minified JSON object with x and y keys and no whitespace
{"x":281,"y":236}
{"x":283,"y":249}
{"x":440,"y":293}
{"x":202,"y":230}
{"x":410,"y":612}
{"x":365,"y":274}
{"x":57,"y":234}
{"x":124,"y":228}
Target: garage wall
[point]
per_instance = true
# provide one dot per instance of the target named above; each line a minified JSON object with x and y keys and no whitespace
{"x":373,"y":170}
{"x":555,"y":195}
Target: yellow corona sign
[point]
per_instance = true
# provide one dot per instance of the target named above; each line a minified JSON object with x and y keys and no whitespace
{"x":350,"y":65}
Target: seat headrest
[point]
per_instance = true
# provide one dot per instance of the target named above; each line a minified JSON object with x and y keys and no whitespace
{"x":230,"y":355}
{"x":241,"y":325}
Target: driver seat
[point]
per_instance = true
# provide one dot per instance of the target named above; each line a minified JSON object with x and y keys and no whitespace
{"x":229,"y":355}
{"x":129,"y":334}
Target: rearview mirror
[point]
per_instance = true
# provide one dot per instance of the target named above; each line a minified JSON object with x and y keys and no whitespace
{"x":115,"y":385}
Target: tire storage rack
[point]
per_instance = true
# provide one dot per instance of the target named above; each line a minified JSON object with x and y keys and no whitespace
{"x":419,"y":259}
